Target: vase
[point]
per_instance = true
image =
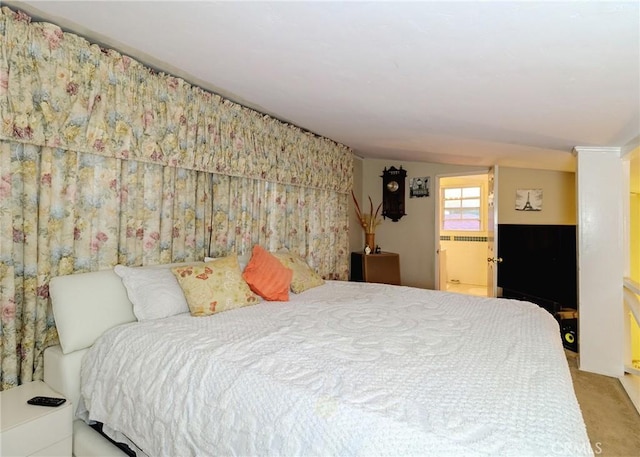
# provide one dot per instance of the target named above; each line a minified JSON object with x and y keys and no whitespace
{"x":370,"y":240}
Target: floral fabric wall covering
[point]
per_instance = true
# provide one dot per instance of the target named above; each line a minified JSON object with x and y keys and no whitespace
{"x":57,"y":90}
{"x":104,"y":162}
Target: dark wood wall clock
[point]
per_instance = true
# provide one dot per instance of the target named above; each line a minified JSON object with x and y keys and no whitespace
{"x":393,"y":189}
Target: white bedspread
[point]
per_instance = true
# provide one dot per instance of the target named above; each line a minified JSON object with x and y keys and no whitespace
{"x":342,"y":369}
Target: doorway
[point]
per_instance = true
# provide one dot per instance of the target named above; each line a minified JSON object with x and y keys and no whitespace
{"x":462,"y":233}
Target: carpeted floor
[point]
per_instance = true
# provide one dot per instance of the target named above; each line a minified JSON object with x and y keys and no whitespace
{"x":613,"y":423}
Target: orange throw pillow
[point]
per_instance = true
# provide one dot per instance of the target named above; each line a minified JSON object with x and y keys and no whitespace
{"x":266,"y":275}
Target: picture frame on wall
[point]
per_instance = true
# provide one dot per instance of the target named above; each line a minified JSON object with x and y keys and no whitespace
{"x":528,"y":199}
{"x":419,"y":187}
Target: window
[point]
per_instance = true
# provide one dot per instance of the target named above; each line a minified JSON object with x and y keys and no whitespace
{"x":461,"y":208}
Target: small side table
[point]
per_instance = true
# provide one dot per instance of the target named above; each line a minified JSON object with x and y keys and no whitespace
{"x":382,"y":268}
{"x":29,"y":430}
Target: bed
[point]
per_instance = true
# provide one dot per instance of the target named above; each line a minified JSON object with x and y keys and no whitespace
{"x":343,"y":368}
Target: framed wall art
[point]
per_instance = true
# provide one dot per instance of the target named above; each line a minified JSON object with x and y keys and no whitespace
{"x":419,"y":187}
{"x":529,"y":199}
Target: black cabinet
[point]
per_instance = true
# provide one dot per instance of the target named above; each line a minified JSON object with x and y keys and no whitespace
{"x":539,"y":264}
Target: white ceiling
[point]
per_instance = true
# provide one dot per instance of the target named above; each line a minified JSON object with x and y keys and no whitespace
{"x":515,"y":83}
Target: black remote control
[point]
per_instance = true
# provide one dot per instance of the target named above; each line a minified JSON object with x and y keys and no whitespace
{"x":46,"y":401}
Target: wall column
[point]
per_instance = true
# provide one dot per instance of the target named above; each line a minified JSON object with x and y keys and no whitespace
{"x":599,"y":191}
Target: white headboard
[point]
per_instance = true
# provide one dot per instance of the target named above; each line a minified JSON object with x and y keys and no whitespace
{"x":85,"y":305}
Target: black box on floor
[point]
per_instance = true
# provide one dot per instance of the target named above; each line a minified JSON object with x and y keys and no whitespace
{"x":568,"y":320}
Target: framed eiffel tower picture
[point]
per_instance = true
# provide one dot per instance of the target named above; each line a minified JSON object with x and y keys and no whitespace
{"x":529,"y":199}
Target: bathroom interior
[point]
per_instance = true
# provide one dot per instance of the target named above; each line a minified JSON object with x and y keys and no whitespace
{"x":463,"y":246}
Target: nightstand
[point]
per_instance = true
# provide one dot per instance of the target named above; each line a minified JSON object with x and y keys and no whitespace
{"x":28,"y":430}
{"x":383,"y":267}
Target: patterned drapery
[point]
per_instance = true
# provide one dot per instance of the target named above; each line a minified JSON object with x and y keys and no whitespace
{"x":103,"y":162}
{"x":57,"y":90}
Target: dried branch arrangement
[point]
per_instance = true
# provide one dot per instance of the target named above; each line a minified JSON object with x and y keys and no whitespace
{"x":369,"y":221}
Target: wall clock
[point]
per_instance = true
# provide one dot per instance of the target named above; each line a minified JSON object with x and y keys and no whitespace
{"x":393,"y":186}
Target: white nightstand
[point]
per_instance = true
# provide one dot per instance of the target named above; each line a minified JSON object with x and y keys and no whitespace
{"x":28,"y":430}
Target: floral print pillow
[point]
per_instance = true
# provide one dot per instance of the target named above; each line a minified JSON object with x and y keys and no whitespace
{"x":304,"y":277}
{"x":213,"y":287}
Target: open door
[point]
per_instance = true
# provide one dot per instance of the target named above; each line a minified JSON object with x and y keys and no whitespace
{"x":478,"y":187}
{"x":440,"y":273}
{"x":492,"y":233}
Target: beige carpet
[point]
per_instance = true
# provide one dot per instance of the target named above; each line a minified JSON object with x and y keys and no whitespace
{"x":613,"y":423}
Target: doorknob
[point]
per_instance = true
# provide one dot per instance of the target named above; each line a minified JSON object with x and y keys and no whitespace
{"x":494,"y":259}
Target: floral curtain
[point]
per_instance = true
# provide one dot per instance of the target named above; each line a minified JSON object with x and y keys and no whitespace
{"x":57,"y":90}
{"x":103,"y":162}
{"x":277,"y":216}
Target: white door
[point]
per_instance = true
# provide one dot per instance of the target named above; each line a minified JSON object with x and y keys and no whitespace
{"x":440,"y":273}
{"x":492,"y":233}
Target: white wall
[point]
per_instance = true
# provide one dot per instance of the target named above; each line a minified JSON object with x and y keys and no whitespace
{"x":600,"y":260}
{"x":413,"y":236}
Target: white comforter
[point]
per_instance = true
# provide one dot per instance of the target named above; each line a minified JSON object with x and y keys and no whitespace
{"x":341,"y":369}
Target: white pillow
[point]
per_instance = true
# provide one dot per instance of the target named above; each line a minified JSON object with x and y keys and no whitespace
{"x":243,"y":260}
{"x":154,"y":292}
